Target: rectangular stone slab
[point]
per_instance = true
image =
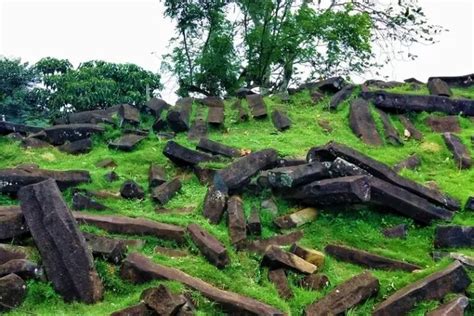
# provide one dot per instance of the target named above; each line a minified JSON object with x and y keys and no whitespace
{"x":455,"y":307}
{"x":9,"y":127}
{"x":341,"y":96}
{"x":345,"y":296}
{"x":127,"y":142}
{"x":254,"y":223}
{"x":11,"y":180}
{"x":215,"y":203}
{"x":280,"y":120}
{"x":183,"y":156}
{"x":289,"y":177}
{"x":139,"y":269}
{"x":112,"y":250}
{"x":461,"y":154}
{"x":156,"y":175}
{"x":216,"y":148}
{"x":59,"y":134}
{"x":12,"y":223}
{"x":406,"y":203}
{"x":411,"y":163}
{"x":210,"y":247}
{"x":413,"y":132}
{"x":457,"y":81}
{"x":432,"y":287}
{"x":178,"y":116}
{"x":276,"y":258}
{"x":297,"y":218}
{"x":236,"y":175}
{"x":66,"y":258}
{"x":257,"y":106}
{"x":165,"y":192}
{"x":156,"y":106}
{"x":81,"y":146}
{"x":444,"y":124}
{"x":380,"y":170}
{"x":215,"y":116}
{"x":10,"y":252}
{"x":236,"y":220}
{"x":439,"y":87}
{"x":362,"y":123}
{"x":391,"y":133}
{"x":12,"y":292}
{"x":368,"y":259}
{"x":198,"y":127}
{"x":454,"y":236}
{"x":279,"y":279}
{"x":337,"y":191}
{"x":128,"y":115}
{"x":129,"y":225}
{"x":260,"y":245}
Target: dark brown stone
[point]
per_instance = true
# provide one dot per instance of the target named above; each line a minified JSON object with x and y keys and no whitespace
{"x":138,"y":269}
{"x":311,"y":255}
{"x":257,"y":106}
{"x":128,"y":115}
{"x":439,"y":87}
{"x":204,"y":175}
{"x":131,"y":190}
{"x":239,"y":172}
{"x":280,"y":120}
{"x":12,"y":223}
{"x":410,"y":130}
{"x":236,"y":221}
{"x":260,"y":245}
{"x":341,"y":96}
{"x":81,"y":201}
{"x":457,"y":81}
{"x":12,"y":292}
{"x":362,"y":123}
{"x":135,"y":226}
{"x":64,"y":252}
{"x":165,"y":192}
{"x":330,"y":85}
{"x":367,"y":259}
{"x":454,"y":307}
{"x":159,"y":125}
{"x":314,"y":282}
{"x":296,"y":219}
{"x":59,"y":134}
{"x":183,"y":156}
{"x":399,"y":231}
{"x":460,"y":152}
{"x":242,"y":113}
{"x":198,"y":128}
{"x":432,"y":287}
{"x":276,"y":258}
{"x":215,"y":115}
{"x":332,"y":150}
{"x":316,"y":96}
{"x":24,"y":268}
{"x":216,"y":148}
{"x":279,"y":279}
{"x":169,"y":252}
{"x":290,"y":177}
{"x":162,"y":301}
{"x":411,"y":163}
{"x":254,"y":224}
{"x":391,"y":133}
{"x":444,"y":124}
{"x":343,"y":168}
{"x":214,"y":203}
{"x":178,"y":116}
{"x":345,"y":296}
{"x":210,"y":247}
{"x":454,"y":236}
{"x":30,"y":142}
{"x":112,"y":250}
{"x":9,"y":127}
{"x":212,"y":102}
{"x":127,"y":142}
{"x":10,"y":252}
{"x":81,"y":146}
{"x":156,"y":175}
{"x":140,"y":309}
{"x":156,"y":106}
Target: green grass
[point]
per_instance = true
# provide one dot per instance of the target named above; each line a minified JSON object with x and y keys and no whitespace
{"x":359,"y":228}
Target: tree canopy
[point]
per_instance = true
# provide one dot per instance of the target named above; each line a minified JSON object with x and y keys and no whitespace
{"x":223,"y":44}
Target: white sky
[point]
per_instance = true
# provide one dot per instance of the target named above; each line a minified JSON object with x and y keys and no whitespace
{"x":135,"y":31}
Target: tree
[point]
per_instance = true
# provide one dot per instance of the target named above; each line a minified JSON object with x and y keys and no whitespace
{"x":277,"y":42}
{"x":94,"y":84}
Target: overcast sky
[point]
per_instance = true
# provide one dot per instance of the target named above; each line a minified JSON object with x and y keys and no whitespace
{"x":135,"y":31}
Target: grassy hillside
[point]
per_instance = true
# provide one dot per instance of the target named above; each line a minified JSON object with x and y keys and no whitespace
{"x":359,"y":228}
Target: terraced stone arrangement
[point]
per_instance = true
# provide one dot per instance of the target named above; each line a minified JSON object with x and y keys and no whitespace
{"x":343,"y":199}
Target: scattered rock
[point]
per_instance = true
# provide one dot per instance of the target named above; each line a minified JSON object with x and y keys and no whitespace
{"x":290,"y":177}
{"x":411,"y":163}
{"x":439,"y":87}
{"x":312,"y":256}
{"x":276,"y":258}
{"x":236,"y":220}
{"x":131,"y":190}
{"x":81,"y":146}
{"x":12,"y":292}
{"x":460,"y":152}
{"x":198,"y":128}
{"x":346,"y":295}
{"x":156,"y":175}
{"x":216,"y":148}
{"x":399,"y":231}
{"x":12,"y":223}
{"x":367,"y":259}
{"x":297,"y":218}
{"x":260,"y":245}
{"x":9,"y":127}
{"x":455,"y":307}
{"x":254,"y":224}
{"x":162,"y":301}
{"x":432,"y":287}
{"x":59,"y":134}
{"x":257,"y":106}
{"x":280,"y":120}
{"x":204,"y":175}
{"x":164,"y":192}
{"x":30,"y":142}
{"x":178,"y":116}
{"x":127,"y":142}
{"x":210,"y":247}
{"x":215,"y":203}
{"x":454,"y":236}
{"x":391,"y":133}
{"x":111,"y":176}
{"x":330,"y":85}
{"x":67,"y":260}
{"x":10,"y":252}
{"x":215,"y":115}
{"x":242,"y":113}
{"x":24,"y":268}
{"x":140,"y":309}
{"x":183,"y":156}
{"x":457,"y":81}
{"x":156,"y":106}
{"x":112,"y":250}
{"x":279,"y":279}
{"x":410,"y":130}
{"x":81,"y":201}
{"x":341,"y":96}
{"x":362,"y":123}
{"x":444,"y":124}
{"x":314,"y":282}
{"x":269,"y":204}
{"x":138,"y":269}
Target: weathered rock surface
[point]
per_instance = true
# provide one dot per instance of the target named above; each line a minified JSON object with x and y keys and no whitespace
{"x":210,"y":247}
{"x":183,"y":156}
{"x":127,"y":142}
{"x":12,"y":223}
{"x":444,"y":124}
{"x":439,"y":87}
{"x":10,"y":252}
{"x":362,"y":123}
{"x":297,"y":218}
{"x":178,"y":116}
{"x":460,"y":152}
{"x":140,"y":309}
{"x":111,"y":176}
{"x":341,"y":96}
{"x":239,"y":172}
{"x":112,"y":250}
{"x":156,"y":175}
{"x":367,"y":259}
{"x":457,"y":81}
{"x":453,"y":236}
{"x":215,"y":115}
{"x":411,"y":163}
{"x":162,"y":301}
{"x":135,"y":226}
{"x":312,"y":256}
{"x":215,"y":203}
{"x":257,"y":106}
{"x":433,"y":287}
{"x":128,"y":115}
{"x":81,"y":146}
{"x":12,"y":292}
{"x":138,"y":269}
{"x":290,"y":177}
{"x":391,"y":133}
{"x":399,"y":231}
{"x":165,"y":192}
{"x":90,"y":117}
{"x":30,"y":142}
{"x":156,"y":106}
{"x":345,"y":296}
{"x":131,"y":190}
{"x":260,"y":245}
{"x":279,"y":279}
{"x":254,"y":224}
{"x":276,"y":258}
{"x":10,"y":127}
{"x":280,"y":120}
{"x":455,"y":307}
{"x":198,"y":127}
{"x":67,"y":260}
{"x":81,"y":201}
{"x":216,"y":148}
{"x":24,"y":268}
{"x":314,"y":282}
{"x":236,"y":220}
{"x":11,"y":180}
{"x":410,"y":131}
{"x":59,"y":134}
